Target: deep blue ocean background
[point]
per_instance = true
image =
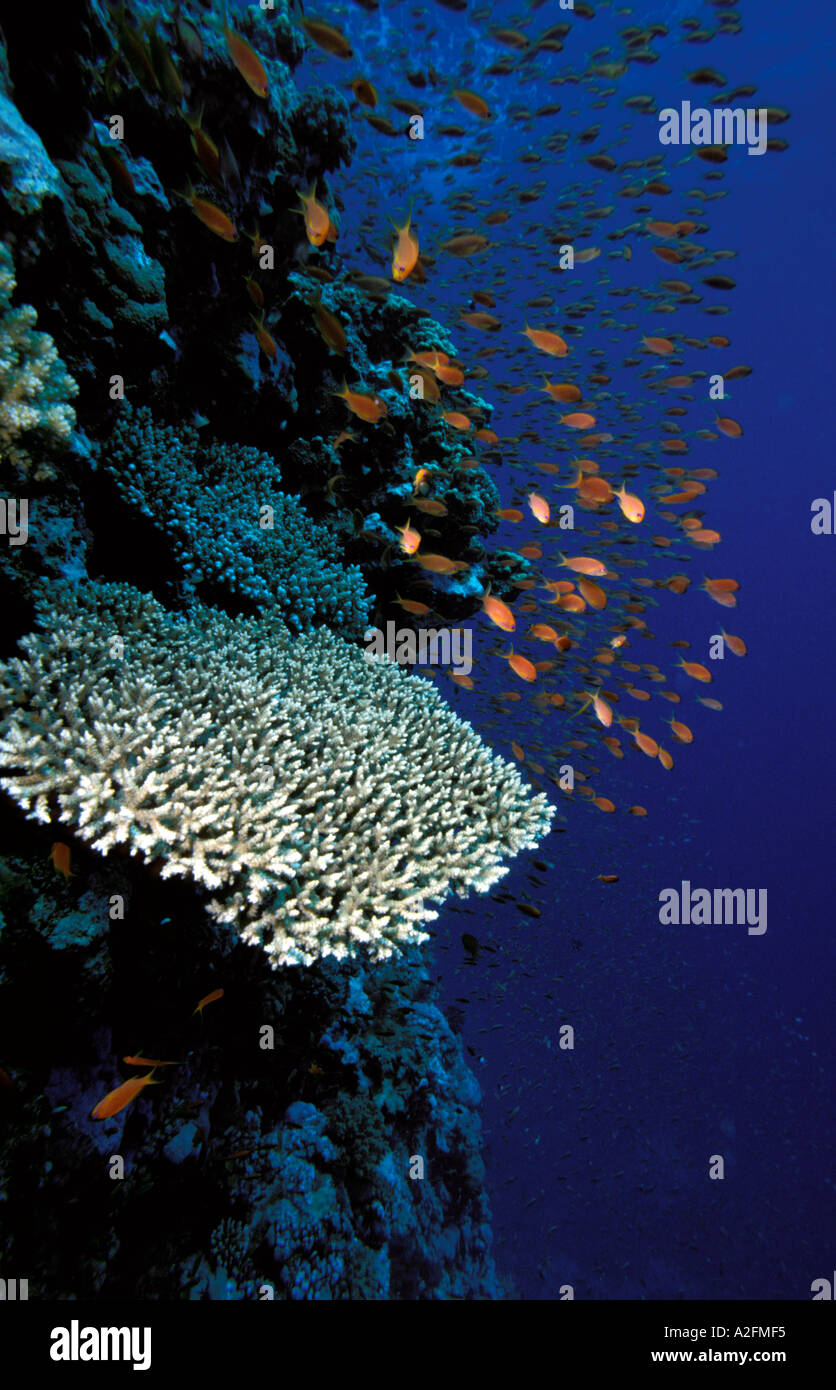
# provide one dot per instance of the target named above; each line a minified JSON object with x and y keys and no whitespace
{"x":690,"y":1041}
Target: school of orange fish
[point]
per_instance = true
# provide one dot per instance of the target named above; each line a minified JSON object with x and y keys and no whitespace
{"x":638,"y":506}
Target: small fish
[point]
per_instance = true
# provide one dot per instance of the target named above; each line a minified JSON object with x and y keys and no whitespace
{"x":552,"y":343}
{"x":476,"y":105}
{"x":583,"y":564}
{"x":205,"y":149}
{"x":60,"y":856}
{"x":734,"y":644}
{"x":539,"y":508}
{"x":317,"y":221}
{"x":330,"y":329}
{"x":439,"y":564}
{"x":211,"y":216}
{"x":208,"y":999}
{"x":632,"y":507}
{"x":364,"y":91}
{"x":695,"y":670}
{"x":246,"y":61}
{"x":520,"y":665}
{"x":265,"y":341}
{"x":255,"y":291}
{"x":429,"y":505}
{"x":117,"y":1099}
{"x":499,"y":613}
{"x":118,"y":170}
{"x":327,"y":37}
{"x":405,"y":252}
{"x":456,"y":419}
{"x":412,"y":605}
{"x":410,"y":539}
{"x":147,"y":1062}
{"x":365,"y":406}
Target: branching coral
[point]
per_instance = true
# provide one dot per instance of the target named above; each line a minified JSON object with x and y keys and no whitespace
{"x":234,"y":534}
{"x":34,"y":387}
{"x":326,"y":799}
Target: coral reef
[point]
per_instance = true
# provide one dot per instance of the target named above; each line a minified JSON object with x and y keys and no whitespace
{"x":27,"y":174}
{"x":34,"y":387}
{"x":329,"y":797}
{"x":224,"y":779}
{"x":232,"y":534}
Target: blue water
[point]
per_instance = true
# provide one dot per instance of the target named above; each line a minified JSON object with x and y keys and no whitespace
{"x":690,"y":1041}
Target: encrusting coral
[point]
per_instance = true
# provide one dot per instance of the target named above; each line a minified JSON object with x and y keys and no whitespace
{"x":325,"y":798}
{"x":34,"y":387}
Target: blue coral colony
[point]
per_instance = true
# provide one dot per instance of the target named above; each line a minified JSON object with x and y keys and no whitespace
{"x":242,"y":436}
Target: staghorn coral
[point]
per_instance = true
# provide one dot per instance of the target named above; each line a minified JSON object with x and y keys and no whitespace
{"x":324,"y":798}
{"x":34,"y":387}
{"x":211,"y":501}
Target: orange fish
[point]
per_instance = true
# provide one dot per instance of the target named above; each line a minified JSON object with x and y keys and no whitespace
{"x":647,"y":744}
{"x":317,"y":221}
{"x":429,"y":505}
{"x":265,"y":341}
{"x":695,"y":670}
{"x":663,"y":347}
{"x":472,"y":103}
{"x":632,"y":507}
{"x":681,"y":731}
{"x":456,"y":419}
{"x":593,"y":593}
{"x":499,"y":613}
{"x":728,"y":427}
{"x":562,"y":391}
{"x":327,"y":37}
{"x":116,"y":1100}
{"x":552,"y":343}
{"x":208,"y":999}
{"x":246,"y":61}
{"x":60,"y":856}
{"x":439,"y":564}
{"x":734,"y":644}
{"x":205,"y":149}
{"x":578,"y":420}
{"x":520,"y":665}
{"x":412,"y":605}
{"x":147,"y":1062}
{"x":410,"y":539}
{"x":365,"y":92}
{"x":405,"y":253}
{"x":539,"y":507}
{"x":583,"y":564}
{"x":723,"y":591}
{"x":365,"y":406}
{"x":211,"y":216}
